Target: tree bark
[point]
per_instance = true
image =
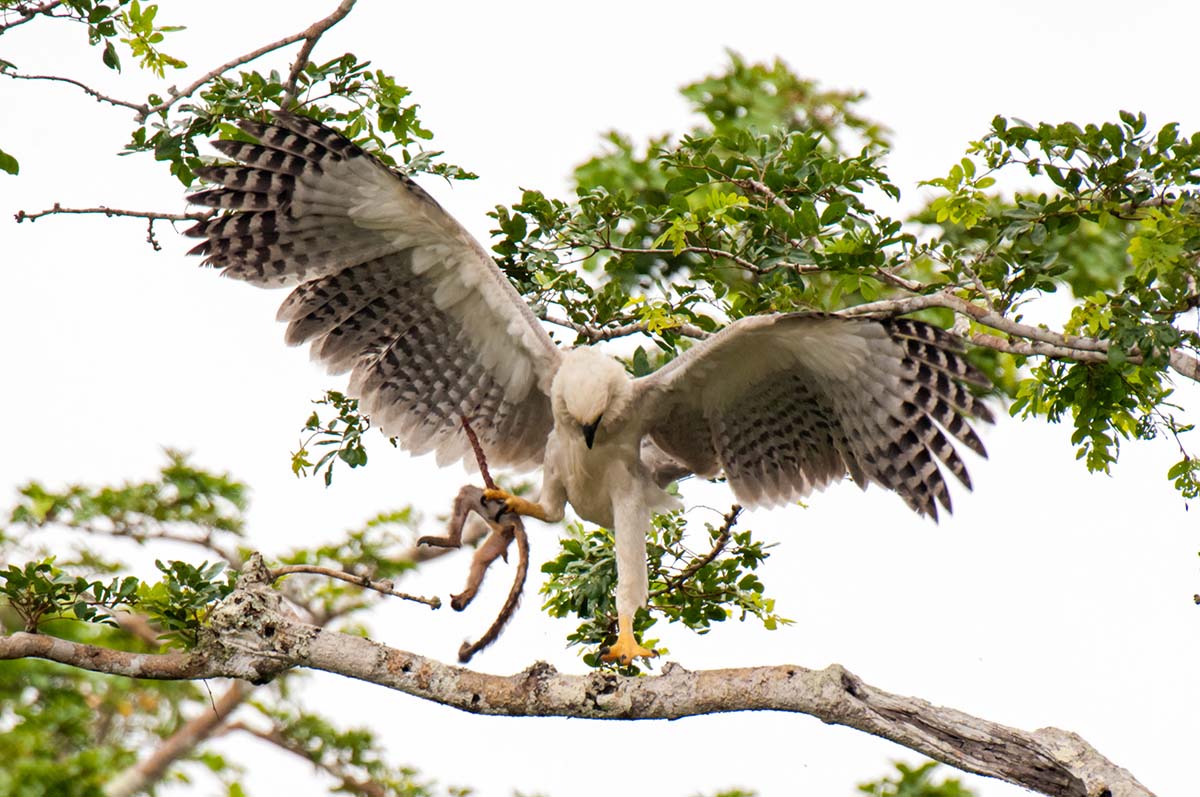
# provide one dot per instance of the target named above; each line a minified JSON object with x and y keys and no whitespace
{"x":254,"y":636}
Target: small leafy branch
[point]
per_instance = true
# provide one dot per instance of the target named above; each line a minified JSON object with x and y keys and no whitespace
{"x":340,"y":437}
{"x":39,"y":591}
{"x":693,"y":589}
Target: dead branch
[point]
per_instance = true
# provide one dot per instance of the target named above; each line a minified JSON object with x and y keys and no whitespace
{"x":385,"y":587}
{"x":254,"y":637}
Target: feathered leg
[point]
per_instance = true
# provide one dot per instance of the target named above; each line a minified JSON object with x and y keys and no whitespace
{"x":631,"y":519}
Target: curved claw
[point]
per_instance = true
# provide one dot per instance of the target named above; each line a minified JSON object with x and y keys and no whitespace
{"x":626,"y":648}
{"x":513,"y":505}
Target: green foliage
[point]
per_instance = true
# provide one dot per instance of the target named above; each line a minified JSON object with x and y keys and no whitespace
{"x":353,"y":756}
{"x":915,"y":782}
{"x":341,"y":436}
{"x":38,"y":590}
{"x":8,"y":163}
{"x":182,"y":497}
{"x":67,"y":731}
{"x":366,"y":104}
{"x":180,"y":601}
{"x":686,"y":587}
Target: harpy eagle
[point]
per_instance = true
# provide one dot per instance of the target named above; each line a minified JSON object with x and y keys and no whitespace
{"x":388,"y":286}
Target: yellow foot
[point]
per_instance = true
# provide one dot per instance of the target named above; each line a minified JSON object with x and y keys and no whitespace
{"x":514,"y":505}
{"x":626,"y":648}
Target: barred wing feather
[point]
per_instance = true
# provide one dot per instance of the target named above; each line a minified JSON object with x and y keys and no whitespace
{"x":385,"y":285}
{"x":787,"y":404}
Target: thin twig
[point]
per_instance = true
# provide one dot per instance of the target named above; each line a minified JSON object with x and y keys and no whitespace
{"x":177,"y":95}
{"x":29,"y":12}
{"x":150,"y":770}
{"x":1044,"y":342}
{"x":140,"y":108}
{"x":799,"y":268}
{"x":595,"y":334}
{"x":311,"y":35}
{"x":152,"y":215}
{"x":150,"y":533}
{"x":719,"y":544}
{"x":369,"y":788}
{"x":760,"y":188}
{"x":385,"y":587}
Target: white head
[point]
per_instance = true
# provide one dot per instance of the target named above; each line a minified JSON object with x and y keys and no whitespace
{"x":588,"y":387}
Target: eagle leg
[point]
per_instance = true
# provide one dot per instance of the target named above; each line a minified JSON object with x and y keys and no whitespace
{"x":511,"y":504}
{"x":626,"y":648}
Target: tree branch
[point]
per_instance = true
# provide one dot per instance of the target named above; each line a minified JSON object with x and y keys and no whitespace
{"x":151,"y":769}
{"x":140,"y":108}
{"x":722,"y":540}
{"x":312,"y":32}
{"x":595,"y":334}
{"x":254,"y":637}
{"x":27,"y":12}
{"x":369,"y":788}
{"x":152,"y":215}
{"x":311,"y":35}
{"x":1041,"y":341}
{"x":385,"y":587}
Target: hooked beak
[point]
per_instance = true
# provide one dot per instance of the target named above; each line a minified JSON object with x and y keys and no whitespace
{"x":589,"y":432}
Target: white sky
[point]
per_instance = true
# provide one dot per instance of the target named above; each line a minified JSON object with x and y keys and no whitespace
{"x":1050,"y":598}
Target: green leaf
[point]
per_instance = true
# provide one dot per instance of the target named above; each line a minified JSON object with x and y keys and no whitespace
{"x":110,"y":58}
{"x":8,"y":163}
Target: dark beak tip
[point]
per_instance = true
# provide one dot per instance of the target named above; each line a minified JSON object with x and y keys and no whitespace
{"x":589,"y":433}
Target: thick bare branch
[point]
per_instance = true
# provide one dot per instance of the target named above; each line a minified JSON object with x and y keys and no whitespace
{"x":253,"y":636}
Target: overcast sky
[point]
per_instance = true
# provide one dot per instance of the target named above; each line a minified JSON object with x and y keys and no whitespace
{"x":1050,"y":598}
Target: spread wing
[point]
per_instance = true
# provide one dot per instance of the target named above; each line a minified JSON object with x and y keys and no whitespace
{"x":785,"y":404}
{"x":387,"y":285}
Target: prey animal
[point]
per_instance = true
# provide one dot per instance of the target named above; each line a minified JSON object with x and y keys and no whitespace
{"x":387,"y":285}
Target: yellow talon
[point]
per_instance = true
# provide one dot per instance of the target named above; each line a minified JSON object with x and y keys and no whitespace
{"x":626,"y":648}
{"x":514,"y":505}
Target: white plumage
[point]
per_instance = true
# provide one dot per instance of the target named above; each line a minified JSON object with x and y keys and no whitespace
{"x":390,"y":287}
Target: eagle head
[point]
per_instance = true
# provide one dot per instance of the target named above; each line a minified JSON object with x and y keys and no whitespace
{"x":588,"y":387}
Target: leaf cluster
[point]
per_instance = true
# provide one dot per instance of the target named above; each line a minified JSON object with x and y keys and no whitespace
{"x":339,"y":437}
{"x":694,"y":589}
